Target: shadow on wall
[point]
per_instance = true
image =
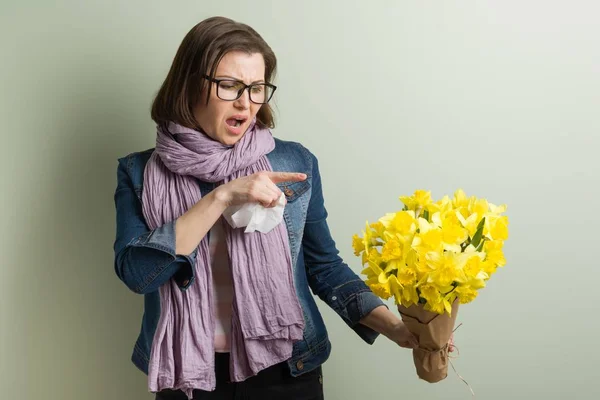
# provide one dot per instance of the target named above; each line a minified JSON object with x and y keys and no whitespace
{"x":88,"y":320}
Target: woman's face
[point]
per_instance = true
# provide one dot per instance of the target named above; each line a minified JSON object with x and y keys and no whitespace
{"x":227,"y":121}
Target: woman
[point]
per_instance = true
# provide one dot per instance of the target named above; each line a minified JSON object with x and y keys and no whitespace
{"x":229,"y":314}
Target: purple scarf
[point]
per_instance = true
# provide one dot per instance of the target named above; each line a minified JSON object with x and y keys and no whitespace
{"x":266,"y":315}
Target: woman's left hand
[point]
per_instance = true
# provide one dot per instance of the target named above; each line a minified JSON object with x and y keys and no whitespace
{"x":382,"y":320}
{"x":403,"y":337}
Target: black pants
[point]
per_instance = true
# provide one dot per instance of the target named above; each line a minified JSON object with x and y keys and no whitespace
{"x":273,"y":383}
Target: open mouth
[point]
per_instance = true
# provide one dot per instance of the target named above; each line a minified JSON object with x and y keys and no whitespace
{"x":236,"y":122}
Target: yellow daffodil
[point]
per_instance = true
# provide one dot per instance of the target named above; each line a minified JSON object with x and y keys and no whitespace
{"x":412,"y":257}
{"x":382,"y":290}
{"x":368,"y":241}
{"x":475,"y":276}
{"x":372,"y":270}
{"x":493,"y":252}
{"x":496,"y":228}
{"x":358,"y":245}
{"x":494,"y":256}
{"x":420,"y":200}
{"x":395,"y":288}
{"x":373,"y":258}
{"x":465,"y":294}
{"x":446,"y":267}
{"x":497,"y":210}
{"x":408,"y":296}
{"x":478,"y":206}
{"x":404,"y":274}
{"x":378,"y":229}
{"x":430,"y":235}
{"x":403,"y":223}
{"x":443,"y":206}
{"x":453,"y":233}
{"x":430,"y":293}
{"x":470,"y":223}
{"x":392,"y":249}
{"x":460,"y":199}
{"x":435,"y":301}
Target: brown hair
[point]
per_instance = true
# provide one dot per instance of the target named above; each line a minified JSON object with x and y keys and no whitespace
{"x":200,"y":53}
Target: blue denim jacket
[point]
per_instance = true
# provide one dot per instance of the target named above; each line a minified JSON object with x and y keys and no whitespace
{"x":145,"y":259}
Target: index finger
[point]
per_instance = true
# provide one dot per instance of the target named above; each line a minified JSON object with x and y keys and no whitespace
{"x":279,"y":177}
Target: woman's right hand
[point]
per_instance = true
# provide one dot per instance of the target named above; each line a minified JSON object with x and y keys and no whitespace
{"x":256,"y":188}
{"x":260,"y":187}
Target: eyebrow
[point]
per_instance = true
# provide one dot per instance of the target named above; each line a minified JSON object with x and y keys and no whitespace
{"x":237,"y":79}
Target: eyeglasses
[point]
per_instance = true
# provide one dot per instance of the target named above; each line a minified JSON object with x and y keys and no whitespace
{"x":232,"y":89}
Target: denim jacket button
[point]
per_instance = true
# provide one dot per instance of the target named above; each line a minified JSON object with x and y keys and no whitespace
{"x":288,"y":192}
{"x":300,"y":365}
{"x":334,"y":298}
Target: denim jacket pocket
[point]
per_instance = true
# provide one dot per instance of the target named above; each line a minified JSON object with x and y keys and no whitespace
{"x":293,"y":190}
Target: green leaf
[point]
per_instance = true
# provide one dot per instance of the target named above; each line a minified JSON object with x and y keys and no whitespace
{"x":478,"y":233}
{"x":426,"y":215}
{"x":480,"y":247}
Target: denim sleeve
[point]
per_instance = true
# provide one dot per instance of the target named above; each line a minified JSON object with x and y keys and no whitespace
{"x":144,"y":258}
{"x":329,"y":276}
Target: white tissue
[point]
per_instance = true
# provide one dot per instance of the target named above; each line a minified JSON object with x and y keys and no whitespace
{"x":255,"y":217}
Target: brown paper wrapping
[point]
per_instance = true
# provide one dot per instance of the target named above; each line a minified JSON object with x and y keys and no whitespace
{"x":433,"y":332}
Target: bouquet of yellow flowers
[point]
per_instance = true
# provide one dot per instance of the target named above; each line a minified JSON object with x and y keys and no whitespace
{"x":432,"y":256}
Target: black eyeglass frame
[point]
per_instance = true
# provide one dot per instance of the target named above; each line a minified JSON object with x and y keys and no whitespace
{"x":241,"y":91}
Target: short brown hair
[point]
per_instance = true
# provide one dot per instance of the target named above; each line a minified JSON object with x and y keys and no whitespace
{"x":200,"y":53}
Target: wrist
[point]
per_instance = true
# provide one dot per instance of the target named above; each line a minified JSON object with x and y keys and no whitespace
{"x":396,"y":327}
{"x":382,"y":320}
{"x":222,"y":196}
{"x":392,"y":325}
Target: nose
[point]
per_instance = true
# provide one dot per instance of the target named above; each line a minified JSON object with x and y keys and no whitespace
{"x":243,"y":103}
